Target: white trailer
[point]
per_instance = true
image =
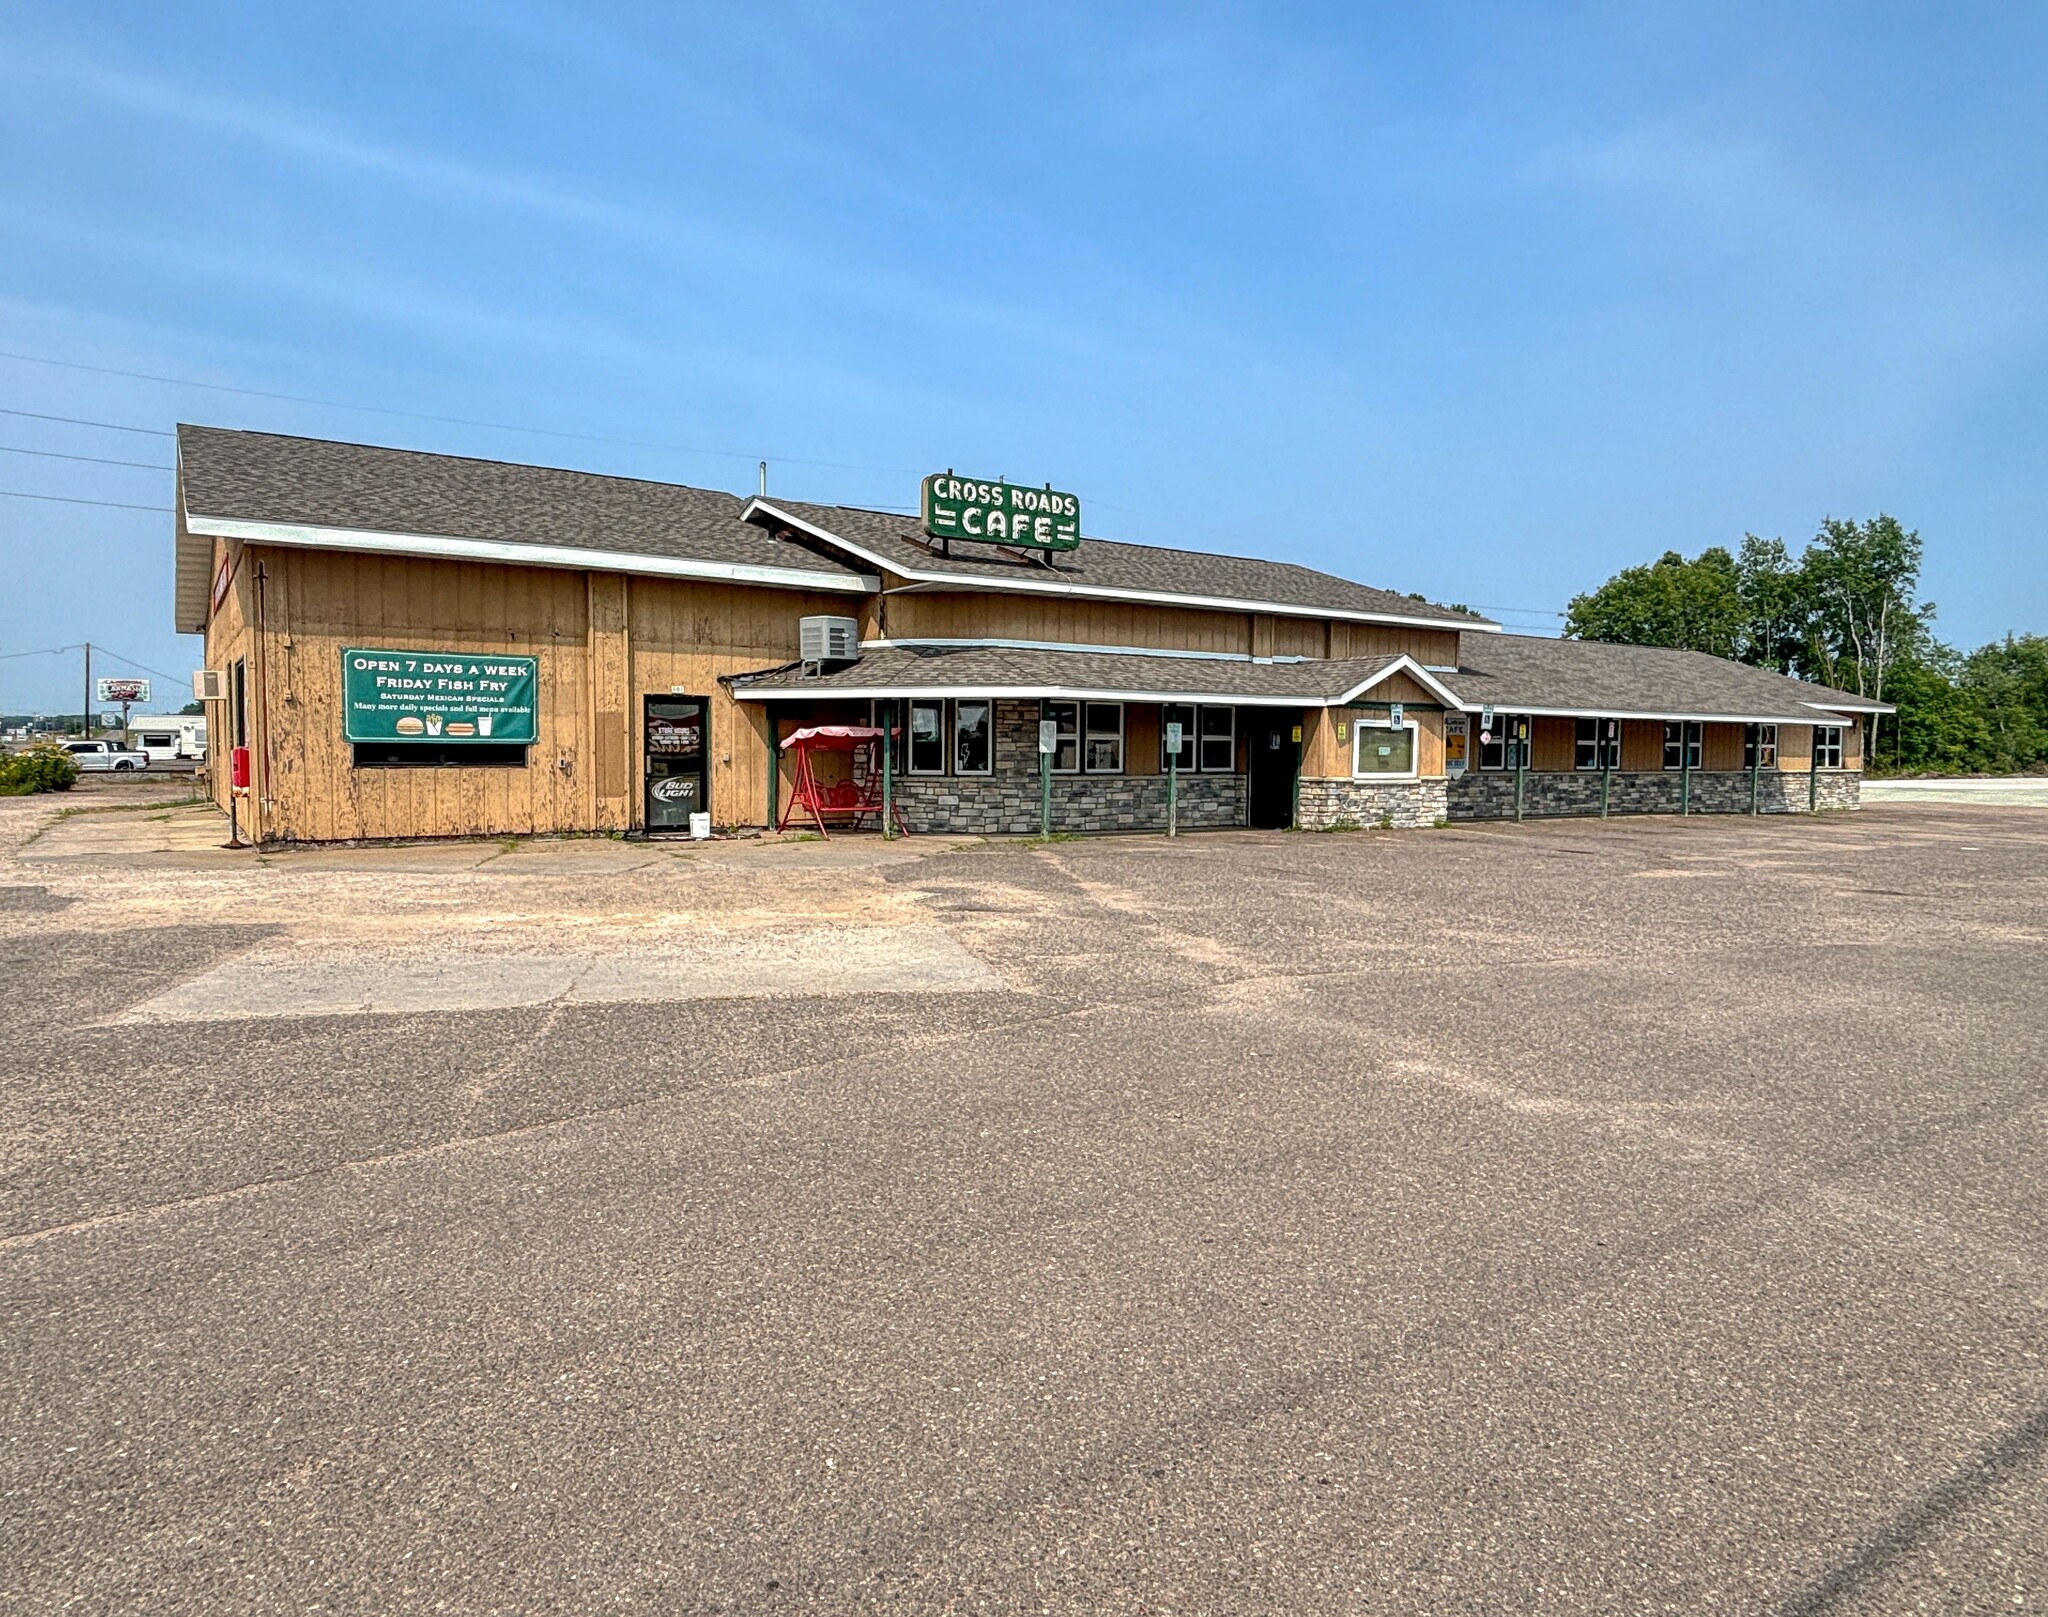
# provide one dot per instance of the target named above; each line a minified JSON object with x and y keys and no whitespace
{"x":169,"y":736}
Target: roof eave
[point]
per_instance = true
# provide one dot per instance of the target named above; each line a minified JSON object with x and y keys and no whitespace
{"x":314,"y":536}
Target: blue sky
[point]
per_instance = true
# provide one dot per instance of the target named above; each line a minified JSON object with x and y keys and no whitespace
{"x":1474,"y":300}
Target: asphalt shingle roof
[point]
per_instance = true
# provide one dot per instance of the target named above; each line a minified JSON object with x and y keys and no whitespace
{"x":1516,"y":672}
{"x":269,"y":477}
{"x":1113,"y":564}
{"x":1110,"y":675}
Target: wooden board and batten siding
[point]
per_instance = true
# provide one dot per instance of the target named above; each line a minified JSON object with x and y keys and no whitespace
{"x":601,"y":642}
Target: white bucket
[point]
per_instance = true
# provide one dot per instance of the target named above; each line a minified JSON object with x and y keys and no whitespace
{"x":700,"y":827}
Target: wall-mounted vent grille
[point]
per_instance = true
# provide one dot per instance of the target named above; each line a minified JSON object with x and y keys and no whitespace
{"x":209,"y":685}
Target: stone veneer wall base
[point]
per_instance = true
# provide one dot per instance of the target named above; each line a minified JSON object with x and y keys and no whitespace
{"x":1006,"y":801}
{"x":1491,"y":795}
{"x":1405,"y":804}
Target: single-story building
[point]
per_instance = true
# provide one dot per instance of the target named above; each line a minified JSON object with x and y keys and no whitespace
{"x":402,"y":644}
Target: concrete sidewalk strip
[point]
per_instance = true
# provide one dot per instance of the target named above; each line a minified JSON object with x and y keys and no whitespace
{"x":2014,"y":791}
{"x":311,"y":980}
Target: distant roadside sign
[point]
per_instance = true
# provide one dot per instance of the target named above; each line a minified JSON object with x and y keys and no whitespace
{"x":121,"y":690}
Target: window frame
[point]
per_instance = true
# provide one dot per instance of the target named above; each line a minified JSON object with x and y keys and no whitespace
{"x":1692,"y":733}
{"x":439,"y":754}
{"x":1228,"y":736}
{"x":1068,"y":733}
{"x":952,"y":732}
{"x":1090,"y":735}
{"x":1759,"y":736}
{"x":1591,"y":753}
{"x":1504,"y":747}
{"x":910,"y":739}
{"x":1193,"y":719}
{"x":1361,"y":723}
{"x":1834,"y":747}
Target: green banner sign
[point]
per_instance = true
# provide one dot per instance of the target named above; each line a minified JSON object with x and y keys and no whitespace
{"x":1000,"y":513}
{"x":445,"y":696}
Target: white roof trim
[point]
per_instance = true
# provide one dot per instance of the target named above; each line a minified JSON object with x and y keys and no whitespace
{"x":312,"y":536}
{"x":1414,"y":670}
{"x":1519,"y":711}
{"x":1055,"y":693}
{"x":1033,"y":586}
{"x":978,"y":641}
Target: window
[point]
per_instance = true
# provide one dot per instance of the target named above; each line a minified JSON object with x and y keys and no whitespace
{"x":1188,"y":718}
{"x":238,"y":687}
{"x":1759,"y":746}
{"x":1378,"y":748}
{"x":1681,"y":746}
{"x":1510,"y":736}
{"x":1219,"y":740}
{"x":972,"y":738}
{"x":439,"y":755}
{"x":927,"y":738}
{"x":1104,"y":753}
{"x":1827,"y":746}
{"x":1208,"y":739}
{"x":1066,"y":720}
{"x":1596,"y":744}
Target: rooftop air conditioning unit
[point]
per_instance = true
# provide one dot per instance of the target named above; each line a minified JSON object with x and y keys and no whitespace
{"x":828,"y":640}
{"x":209,"y":685}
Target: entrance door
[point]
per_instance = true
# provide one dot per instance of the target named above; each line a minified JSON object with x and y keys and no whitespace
{"x":1275,"y":759}
{"x":677,"y":746}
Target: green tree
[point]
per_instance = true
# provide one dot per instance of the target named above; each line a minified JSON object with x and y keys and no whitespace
{"x":1776,"y":608}
{"x":1694,"y":604}
{"x":2007,"y":682}
{"x":1862,"y":581}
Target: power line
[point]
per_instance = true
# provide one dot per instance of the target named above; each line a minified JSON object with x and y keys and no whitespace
{"x":90,"y":460}
{"x":66,"y":499}
{"x":75,"y":421}
{"x":100,"y":648}
{"x":420,"y":415}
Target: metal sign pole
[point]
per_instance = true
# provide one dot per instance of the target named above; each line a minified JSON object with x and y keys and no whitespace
{"x":1521,"y":735}
{"x":1684,"y":768}
{"x":85,"y":715}
{"x":1048,"y":740}
{"x":1174,"y":735}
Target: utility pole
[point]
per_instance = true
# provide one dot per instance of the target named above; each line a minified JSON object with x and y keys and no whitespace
{"x":85,"y":713}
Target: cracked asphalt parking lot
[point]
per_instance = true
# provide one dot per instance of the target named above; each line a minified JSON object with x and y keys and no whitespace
{"x":1569,"y":1217}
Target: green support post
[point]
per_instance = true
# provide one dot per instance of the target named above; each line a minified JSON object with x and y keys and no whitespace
{"x":1294,"y":791}
{"x":1755,"y":780}
{"x":774,"y":768}
{"x":1813,"y":769}
{"x":1521,"y":766}
{"x":888,"y":769}
{"x":1606,"y":779}
{"x":1685,"y":769}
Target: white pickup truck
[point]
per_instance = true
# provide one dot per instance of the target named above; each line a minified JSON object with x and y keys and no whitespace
{"x":104,"y":755}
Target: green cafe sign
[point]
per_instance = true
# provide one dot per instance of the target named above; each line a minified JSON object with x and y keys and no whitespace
{"x":1000,"y":513}
{"x":443,"y":696}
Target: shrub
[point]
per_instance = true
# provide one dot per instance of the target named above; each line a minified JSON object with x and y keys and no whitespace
{"x":43,"y":768}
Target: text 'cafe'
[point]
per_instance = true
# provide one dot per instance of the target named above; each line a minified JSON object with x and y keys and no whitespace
{"x":403,"y":645}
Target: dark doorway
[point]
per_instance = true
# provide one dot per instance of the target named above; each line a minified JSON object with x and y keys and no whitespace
{"x":677,"y":745}
{"x":1272,"y":736}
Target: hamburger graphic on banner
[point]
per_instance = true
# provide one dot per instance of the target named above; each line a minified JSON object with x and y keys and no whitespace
{"x":444,"y":696}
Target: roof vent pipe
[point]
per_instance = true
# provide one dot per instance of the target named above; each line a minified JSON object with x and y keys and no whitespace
{"x":764,"y":480}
